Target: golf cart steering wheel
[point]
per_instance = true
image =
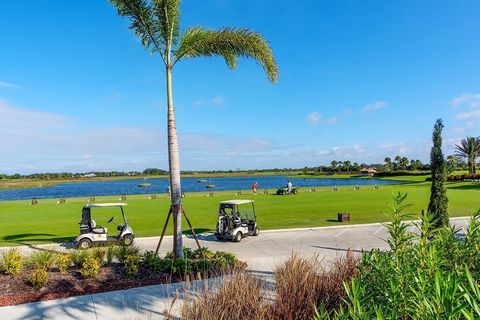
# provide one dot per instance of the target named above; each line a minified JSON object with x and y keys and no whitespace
{"x":110,"y":220}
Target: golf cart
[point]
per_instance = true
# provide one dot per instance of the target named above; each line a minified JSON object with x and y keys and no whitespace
{"x":284,"y":191}
{"x":236,"y":219}
{"x":91,"y":233}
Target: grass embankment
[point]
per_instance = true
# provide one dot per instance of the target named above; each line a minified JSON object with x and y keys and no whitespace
{"x":22,"y":223}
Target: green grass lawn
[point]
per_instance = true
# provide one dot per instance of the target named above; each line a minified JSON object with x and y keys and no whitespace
{"x":22,"y":223}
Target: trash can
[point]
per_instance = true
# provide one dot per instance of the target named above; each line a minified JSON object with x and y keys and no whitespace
{"x":343,"y":216}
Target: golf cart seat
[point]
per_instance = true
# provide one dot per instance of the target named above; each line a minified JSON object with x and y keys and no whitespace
{"x":97,"y":229}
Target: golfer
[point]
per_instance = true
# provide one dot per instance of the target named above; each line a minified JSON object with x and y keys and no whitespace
{"x":254,"y":187}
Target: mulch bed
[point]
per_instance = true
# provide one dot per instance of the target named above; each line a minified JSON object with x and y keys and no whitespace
{"x":17,"y":289}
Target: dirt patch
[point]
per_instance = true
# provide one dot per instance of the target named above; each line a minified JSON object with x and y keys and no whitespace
{"x":17,"y":289}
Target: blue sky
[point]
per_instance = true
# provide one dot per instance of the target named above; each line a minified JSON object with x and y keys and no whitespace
{"x":359,"y":81}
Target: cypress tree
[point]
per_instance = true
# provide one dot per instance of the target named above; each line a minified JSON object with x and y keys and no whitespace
{"x":438,"y":204}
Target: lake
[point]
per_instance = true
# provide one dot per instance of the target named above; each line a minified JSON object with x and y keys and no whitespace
{"x":119,"y":187}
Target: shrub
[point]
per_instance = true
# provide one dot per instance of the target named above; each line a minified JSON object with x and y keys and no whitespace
{"x":122,"y":252}
{"x":180,"y":267}
{"x":63,"y":262}
{"x":42,"y":259}
{"x":39,"y":278}
{"x":79,"y":256}
{"x":238,"y":297}
{"x":223,"y":259}
{"x":428,"y":275}
{"x":203,"y":253}
{"x":12,"y":261}
{"x":187,"y":254}
{"x":110,"y":253}
{"x":131,"y":265}
{"x":202,"y":266}
{"x":154,"y":263}
{"x":301,"y":284}
{"x":90,"y":267}
{"x":99,"y":255}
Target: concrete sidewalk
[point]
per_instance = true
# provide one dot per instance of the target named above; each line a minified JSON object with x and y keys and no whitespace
{"x":262,"y":253}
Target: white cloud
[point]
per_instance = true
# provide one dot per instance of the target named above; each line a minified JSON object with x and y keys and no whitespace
{"x":9,"y":85}
{"x":377,"y":105}
{"x":468,"y":99}
{"x":314,"y":117}
{"x":332,"y":120}
{"x":11,"y":116}
{"x":475,"y":114}
{"x":397,"y":147}
{"x":216,"y":101}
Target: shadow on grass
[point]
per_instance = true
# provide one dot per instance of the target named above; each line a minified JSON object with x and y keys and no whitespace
{"x":466,"y":187}
{"x":332,"y":220}
{"x":33,"y":239}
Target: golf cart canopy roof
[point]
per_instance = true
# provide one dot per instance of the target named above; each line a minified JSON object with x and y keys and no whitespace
{"x":93,"y":205}
{"x":236,"y":202}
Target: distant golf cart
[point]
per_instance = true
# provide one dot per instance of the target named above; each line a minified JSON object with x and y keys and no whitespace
{"x":236,"y":219}
{"x":284,"y":191}
{"x":92,"y":234}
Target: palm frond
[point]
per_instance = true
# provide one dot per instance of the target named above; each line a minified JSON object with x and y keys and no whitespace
{"x":167,"y":13}
{"x":229,"y":43}
{"x":143,"y":22}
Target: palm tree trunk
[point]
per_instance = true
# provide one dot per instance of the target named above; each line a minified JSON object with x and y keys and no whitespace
{"x":174,"y":168}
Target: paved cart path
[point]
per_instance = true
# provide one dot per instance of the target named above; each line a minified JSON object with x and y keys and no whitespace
{"x":261,"y":253}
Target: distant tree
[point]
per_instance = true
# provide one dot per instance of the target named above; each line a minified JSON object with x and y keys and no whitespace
{"x":469,"y":148}
{"x":340,"y":166}
{"x":355,"y":167}
{"x":347,"y":164}
{"x":398,"y":159}
{"x":452,"y":163}
{"x":388,"y":164}
{"x":404,"y":163}
{"x":334,"y":165}
{"x":438,"y":204}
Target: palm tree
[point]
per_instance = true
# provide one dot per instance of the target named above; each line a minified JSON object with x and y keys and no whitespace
{"x":347,"y":164}
{"x":469,"y":148}
{"x":388,"y":163}
{"x":334,"y":165}
{"x":404,"y":163}
{"x":157,"y":23}
{"x":397,"y":162}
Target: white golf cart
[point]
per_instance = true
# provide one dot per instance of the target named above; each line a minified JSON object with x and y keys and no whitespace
{"x":93,"y":234}
{"x":236,"y":219}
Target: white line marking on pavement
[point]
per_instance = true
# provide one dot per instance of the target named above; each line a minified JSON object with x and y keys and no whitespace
{"x":378,"y":230}
{"x":340,"y":233}
{"x":300,"y":235}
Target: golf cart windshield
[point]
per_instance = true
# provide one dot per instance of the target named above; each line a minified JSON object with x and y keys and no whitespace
{"x":242,"y":208}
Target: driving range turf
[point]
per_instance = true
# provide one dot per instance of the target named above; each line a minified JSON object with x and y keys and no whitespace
{"x":49,"y":221}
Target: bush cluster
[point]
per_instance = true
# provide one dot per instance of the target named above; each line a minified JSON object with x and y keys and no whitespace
{"x":463,"y":177}
{"x":131,"y":265}
{"x":11,"y":262}
{"x":430,"y":275}
{"x":63,"y":262}
{"x":90,"y":267}
{"x":199,"y":260}
{"x":39,"y":278}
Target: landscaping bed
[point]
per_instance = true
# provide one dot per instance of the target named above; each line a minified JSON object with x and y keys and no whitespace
{"x":48,"y":275}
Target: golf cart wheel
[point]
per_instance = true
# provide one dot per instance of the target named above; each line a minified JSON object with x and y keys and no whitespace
{"x":238,"y":237}
{"x":127,"y":240}
{"x":256,"y":232}
{"x":84,"y":243}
